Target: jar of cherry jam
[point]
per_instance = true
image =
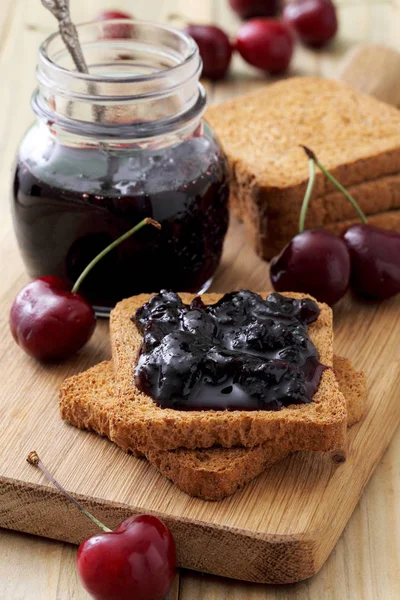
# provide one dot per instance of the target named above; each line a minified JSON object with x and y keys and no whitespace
{"x":126,"y":142}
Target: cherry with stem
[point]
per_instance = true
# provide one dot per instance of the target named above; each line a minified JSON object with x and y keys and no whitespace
{"x":322,"y":264}
{"x":374,"y":252}
{"x":50,"y":321}
{"x":137,"y":560}
{"x":315,"y":261}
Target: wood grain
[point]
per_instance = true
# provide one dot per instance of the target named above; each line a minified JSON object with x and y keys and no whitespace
{"x":305,"y":501}
{"x":365,"y":563}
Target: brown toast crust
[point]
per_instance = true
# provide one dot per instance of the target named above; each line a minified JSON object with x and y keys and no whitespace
{"x":353,"y":385}
{"x":139,"y":423}
{"x":355,"y":136}
{"x":88,"y":399}
{"x":379,"y":196}
{"x":271,"y":242}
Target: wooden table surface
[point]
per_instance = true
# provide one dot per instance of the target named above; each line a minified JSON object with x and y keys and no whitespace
{"x":360,"y":567}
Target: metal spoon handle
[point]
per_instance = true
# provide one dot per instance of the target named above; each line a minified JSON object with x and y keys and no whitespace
{"x":68,"y":32}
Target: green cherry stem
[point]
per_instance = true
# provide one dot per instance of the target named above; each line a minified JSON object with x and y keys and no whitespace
{"x":147,"y":221}
{"x":33,"y":459}
{"x":307,"y":195}
{"x":335,"y":182}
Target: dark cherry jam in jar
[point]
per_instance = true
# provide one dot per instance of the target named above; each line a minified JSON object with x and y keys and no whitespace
{"x":111,"y":148}
{"x":242,"y":353}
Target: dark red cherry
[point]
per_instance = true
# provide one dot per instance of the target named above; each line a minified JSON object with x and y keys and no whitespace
{"x":314,"y":262}
{"x":116,"y":30}
{"x":266,"y":44}
{"x":375,"y":261}
{"x":249,"y":9}
{"x":137,"y":561}
{"x":48,"y":321}
{"x":215,"y":49}
{"x":314,"y":21}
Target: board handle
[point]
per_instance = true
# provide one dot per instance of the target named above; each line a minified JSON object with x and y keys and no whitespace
{"x":374,"y":70}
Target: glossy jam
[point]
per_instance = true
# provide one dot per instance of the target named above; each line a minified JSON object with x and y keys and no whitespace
{"x":242,"y":353}
{"x":70,"y":203}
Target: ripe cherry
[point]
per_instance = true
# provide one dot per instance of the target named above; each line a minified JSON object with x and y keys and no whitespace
{"x":315,"y":262}
{"x":215,"y":49}
{"x":375,"y":261}
{"x":50,"y":321}
{"x":137,"y":561}
{"x":315,"y":21}
{"x":249,"y":9}
{"x":266,"y":44}
{"x":116,"y":30}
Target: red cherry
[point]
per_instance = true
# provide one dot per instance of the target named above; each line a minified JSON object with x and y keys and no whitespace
{"x":113,"y":14}
{"x":117,"y":30}
{"x":266,"y":44}
{"x":314,"y":262}
{"x":48,"y":321}
{"x":375,"y":261}
{"x":215,"y":49}
{"x":248,"y":9}
{"x":137,"y":561}
{"x":314,"y":21}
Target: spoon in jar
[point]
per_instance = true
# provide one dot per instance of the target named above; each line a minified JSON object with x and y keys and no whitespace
{"x":68,"y":32}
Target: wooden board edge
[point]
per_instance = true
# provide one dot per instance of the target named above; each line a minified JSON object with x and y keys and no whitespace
{"x":234,"y":553}
{"x":211,"y":548}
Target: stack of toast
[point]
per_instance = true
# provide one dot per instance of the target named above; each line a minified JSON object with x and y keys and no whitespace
{"x":355,"y":136}
{"x":211,"y":454}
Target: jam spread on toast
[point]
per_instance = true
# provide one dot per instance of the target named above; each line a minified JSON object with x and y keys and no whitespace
{"x":242,"y":353}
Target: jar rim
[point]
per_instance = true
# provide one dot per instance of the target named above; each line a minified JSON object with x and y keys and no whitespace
{"x":192,"y":51}
{"x":143,"y":80}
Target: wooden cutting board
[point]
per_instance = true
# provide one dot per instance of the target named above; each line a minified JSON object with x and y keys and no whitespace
{"x":279,"y":529}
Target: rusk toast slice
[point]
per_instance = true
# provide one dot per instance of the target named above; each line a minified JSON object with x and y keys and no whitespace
{"x":139,"y":423}
{"x":354,"y":135}
{"x":88,"y":399}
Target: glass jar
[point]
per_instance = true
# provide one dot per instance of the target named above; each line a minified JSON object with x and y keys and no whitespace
{"x":110,"y":148}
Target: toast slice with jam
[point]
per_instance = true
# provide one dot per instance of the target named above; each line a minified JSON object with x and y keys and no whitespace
{"x":140,"y":424}
{"x":88,"y":400}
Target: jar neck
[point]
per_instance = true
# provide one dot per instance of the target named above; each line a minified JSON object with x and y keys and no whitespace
{"x":143,"y":84}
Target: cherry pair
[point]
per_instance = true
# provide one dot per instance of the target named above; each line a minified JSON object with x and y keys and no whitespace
{"x":324,"y":265}
{"x":263,"y":42}
{"x":314,"y":21}
{"x":268,"y":44}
